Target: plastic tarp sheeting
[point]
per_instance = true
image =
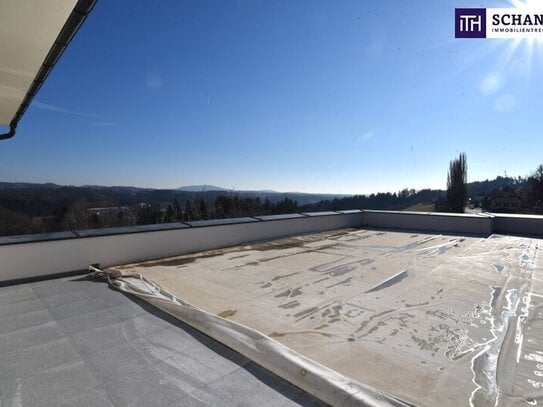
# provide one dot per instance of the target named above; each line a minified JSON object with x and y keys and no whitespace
{"x":427,"y":319}
{"x":310,"y":376}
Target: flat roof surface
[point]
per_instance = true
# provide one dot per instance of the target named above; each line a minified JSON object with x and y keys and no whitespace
{"x":431,"y":319}
{"x":77,"y":342}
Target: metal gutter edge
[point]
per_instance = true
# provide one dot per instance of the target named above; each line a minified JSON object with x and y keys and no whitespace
{"x":72,"y":25}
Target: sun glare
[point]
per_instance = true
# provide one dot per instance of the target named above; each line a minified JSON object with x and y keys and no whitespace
{"x":524,"y":51}
{"x":526,"y":4}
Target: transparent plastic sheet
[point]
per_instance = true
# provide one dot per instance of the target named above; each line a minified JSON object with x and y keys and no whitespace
{"x":429,"y":319}
{"x":320,"y":381}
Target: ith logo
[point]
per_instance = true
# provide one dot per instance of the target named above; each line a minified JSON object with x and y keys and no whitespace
{"x":470,"y":23}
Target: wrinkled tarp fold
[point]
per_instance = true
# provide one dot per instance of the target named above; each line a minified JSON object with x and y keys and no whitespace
{"x":320,"y":381}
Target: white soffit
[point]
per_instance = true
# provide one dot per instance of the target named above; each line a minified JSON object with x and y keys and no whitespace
{"x":28,"y":30}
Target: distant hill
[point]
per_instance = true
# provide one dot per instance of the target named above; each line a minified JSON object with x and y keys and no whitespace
{"x":39,"y":197}
{"x":204,"y":188}
{"x":423,"y":199}
{"x":484,"y":187}
{"x":28,"y":185}
{"x":37,"y":208}
{"x":201,"y":188}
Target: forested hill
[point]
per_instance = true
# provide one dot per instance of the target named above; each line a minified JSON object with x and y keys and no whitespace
{"x":409,"y":197}
{"x":484,"y":187}
{"x":34,"y":208}
{"x":42,"y":199}
{"x":389,"y":201}
{"x":45,"y":199}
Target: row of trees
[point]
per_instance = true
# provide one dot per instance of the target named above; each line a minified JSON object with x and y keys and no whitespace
{"x":225,"y":206}
{"x":536,"y":185}
{"x":25,"y":211}
{"x":77,"y":216}
{"x":384,"y":200}
{"x":457,"y":186}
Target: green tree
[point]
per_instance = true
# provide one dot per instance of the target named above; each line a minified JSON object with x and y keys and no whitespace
{"x":169,"y":215}
{"x":287,"y":205}
{"x":536,"y":184}
{"x":267,"y":207}
{"x":147,"y":215}
{"x":457,"y":180}
{"x":178,"y":213}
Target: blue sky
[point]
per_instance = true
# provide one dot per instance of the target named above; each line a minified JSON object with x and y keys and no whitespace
{"x":314,"y":96}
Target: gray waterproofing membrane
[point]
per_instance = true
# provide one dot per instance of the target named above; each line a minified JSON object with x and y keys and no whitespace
{"x":427,"y":319}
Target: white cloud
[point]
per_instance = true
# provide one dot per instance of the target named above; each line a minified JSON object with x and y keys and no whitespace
{"x":53,"y":108}
{"x":490,"y":84}
{"x":365,"y":137}
{"x":505,"y":103}
{"x":153,"y":81}
{"x":58,"y":109}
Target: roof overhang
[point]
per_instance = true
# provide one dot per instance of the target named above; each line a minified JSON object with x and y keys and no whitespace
{"x":33,"y":36}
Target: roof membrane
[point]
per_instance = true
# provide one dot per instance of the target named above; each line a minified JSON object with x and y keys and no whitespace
{"x":426,"y":318}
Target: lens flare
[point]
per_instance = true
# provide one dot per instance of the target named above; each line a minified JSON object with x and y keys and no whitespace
{"x":522,"y":53}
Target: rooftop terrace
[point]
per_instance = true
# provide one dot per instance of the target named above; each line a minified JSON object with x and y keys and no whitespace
{"x":433,"y":309}
{"x":440,"y":309}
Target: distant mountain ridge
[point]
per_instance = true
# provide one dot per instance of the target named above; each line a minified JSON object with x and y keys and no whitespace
{"x":201,"y":188}
{"x":212,"y":191}
{"x":128,"y":195}
{"x":36,"y":208}
{"x":28,"y":185}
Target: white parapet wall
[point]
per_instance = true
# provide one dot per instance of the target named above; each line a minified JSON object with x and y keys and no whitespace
{"x":46,"y":255}
{"x":525,"y":225}
{"x":430,"y":221}
{"x":39,"y":256}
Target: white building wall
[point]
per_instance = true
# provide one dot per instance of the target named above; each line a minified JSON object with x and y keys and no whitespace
{"x":39,"y":256}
